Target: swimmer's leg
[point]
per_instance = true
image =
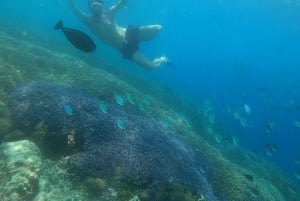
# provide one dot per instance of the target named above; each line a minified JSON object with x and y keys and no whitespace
{"x":148,"y":32}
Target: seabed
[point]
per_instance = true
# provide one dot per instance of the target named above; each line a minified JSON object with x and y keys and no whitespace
{"x":28,"y":172}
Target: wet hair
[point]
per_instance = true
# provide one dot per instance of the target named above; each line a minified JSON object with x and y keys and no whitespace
{"x":91,"y":1}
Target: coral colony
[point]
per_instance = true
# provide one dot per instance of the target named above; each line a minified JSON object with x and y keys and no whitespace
{"x":139,"y":151}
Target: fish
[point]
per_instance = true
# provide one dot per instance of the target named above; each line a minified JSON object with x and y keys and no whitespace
{"x":271,"y":149}
{"x":247,"y":108}
{"x":120,"y":123}
{"x":297,"y":175}
{"x":147,"y":100}
{"x":120,"y":100}
{"x":274,"y":148}
{"x":68,"y":109}
{"x":235,"y":140}
{"x":143,"y":106}
{"x":211,"y":119}
{"x":291,"y":188}
{"x":236,"y":115}
{"x":103,"y":108}
{"x":77,"y":38}
{"x":297,"y":124}
{"x":130,"y":98}
{"x":270,"y":127}
{"x":243,"y":122}
{"x":218,"y":138}
{"x":249,"y":177}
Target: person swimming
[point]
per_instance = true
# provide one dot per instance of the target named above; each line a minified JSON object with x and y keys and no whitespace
{"x":126,"y":40}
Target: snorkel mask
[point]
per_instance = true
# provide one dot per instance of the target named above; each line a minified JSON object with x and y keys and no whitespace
{"x":90,"y":2}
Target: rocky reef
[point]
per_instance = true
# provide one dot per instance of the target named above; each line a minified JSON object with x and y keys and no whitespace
{"x":20,"y":167}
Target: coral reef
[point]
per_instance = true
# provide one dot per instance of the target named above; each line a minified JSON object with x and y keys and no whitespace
{"x":23,"y":61}
{"x":145,"y":154}
{"x":55,"y":184}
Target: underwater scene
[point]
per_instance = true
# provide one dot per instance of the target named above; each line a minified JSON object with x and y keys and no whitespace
{"x":161,"y":100}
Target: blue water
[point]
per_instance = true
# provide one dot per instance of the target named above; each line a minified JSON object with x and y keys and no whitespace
{"x":227,"y":52}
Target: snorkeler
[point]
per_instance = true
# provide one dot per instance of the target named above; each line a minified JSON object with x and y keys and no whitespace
{"x":102,"y":23}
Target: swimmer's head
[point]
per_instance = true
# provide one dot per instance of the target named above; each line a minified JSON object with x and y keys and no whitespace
{"x":95,"y":5}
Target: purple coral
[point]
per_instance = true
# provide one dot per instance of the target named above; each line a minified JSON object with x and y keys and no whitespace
{"x":146,"y":153}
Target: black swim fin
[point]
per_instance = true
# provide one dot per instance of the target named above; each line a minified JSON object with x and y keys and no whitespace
{"x":59,"y":25}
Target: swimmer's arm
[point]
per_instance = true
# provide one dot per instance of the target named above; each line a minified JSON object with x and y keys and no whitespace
{"x":117,"y":7}
{"x":77,"y":12}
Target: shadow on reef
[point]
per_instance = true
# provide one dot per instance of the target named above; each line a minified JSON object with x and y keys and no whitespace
{"x":122,"y":147}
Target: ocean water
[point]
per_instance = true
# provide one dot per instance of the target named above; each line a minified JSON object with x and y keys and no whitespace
{"x":239,"y":58}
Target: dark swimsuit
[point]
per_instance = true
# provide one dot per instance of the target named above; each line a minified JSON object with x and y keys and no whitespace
{"x":131,"y":43}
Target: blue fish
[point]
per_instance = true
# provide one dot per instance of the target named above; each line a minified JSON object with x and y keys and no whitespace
{"x":68,"y":109}
{"x":120,"y":100}
{"x":120,"y":123}
{"x":103,"y":108}
{"x":130,"y":99}
{"x":142,"y":107}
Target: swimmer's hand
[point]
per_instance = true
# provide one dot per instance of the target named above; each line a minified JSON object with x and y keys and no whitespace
{"x":162,"y":60}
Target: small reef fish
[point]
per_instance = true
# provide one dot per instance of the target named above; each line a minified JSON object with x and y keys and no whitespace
{"x":210,"y":130}
{"x":236,"y":115}
{"x":297,"y":124}
{"x":218,"y":138}
{"x":271,"y":149}
{"x":103,"y":108}
{"x":270,"y":127}
{"x":79,"y":39}
{"x":235,"y":140}
{"x":249,"y":177}
{"x":243,"y":122}
{"x":142,"y":107}
{"x":147,"y":100}
{"x":297,"y":175}
{"x":211,"y":119}
{"x":291,"y":188}
{"x":247,"y":108}
{"x":120,"y":123}
{"x":297,"y":161}
{"x":130,"y":99}
{"x":120,"y":100}
{"x":68,"y":109}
